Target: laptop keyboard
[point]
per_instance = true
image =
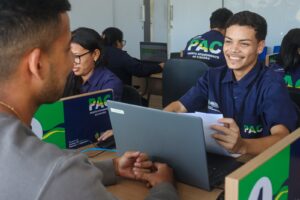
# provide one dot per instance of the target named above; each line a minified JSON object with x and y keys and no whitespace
{"x":219,"y":167}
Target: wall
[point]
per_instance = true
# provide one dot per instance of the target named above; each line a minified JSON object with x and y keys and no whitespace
{"x":188,"y":19}
{"x":96,"y":14}
{"x":159,"y":21}
{"x":128,"y":17}
{"x":100,"y":14}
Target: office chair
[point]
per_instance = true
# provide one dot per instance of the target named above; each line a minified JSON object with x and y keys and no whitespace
{"x":131,"y":95}
{"x":179,"y":75}
{"x":276,"y":49}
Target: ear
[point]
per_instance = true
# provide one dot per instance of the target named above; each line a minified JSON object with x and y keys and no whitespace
{"x":261,"y":46}
{"x":96,"y":54}
{"x":34,"y":63}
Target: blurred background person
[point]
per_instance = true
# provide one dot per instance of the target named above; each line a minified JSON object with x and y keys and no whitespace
{"x":208,"y":47}
{"x":288,"y":60}
{"x":120,"y":62}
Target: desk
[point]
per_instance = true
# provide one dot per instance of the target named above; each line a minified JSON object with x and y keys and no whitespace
{"x":134,"y":190}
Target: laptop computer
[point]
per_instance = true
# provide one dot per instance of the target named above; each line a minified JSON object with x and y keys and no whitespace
{"x":74,"y":121}
{"x":153,"y":52}
{"x":171,"y":138}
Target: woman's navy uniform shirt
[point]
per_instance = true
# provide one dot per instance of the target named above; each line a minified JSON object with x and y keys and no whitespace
{"x":125,"y":66}
{"x":207,"y":47}
{"x":291,"y":76}
{"x":102,"y":79}
{"x":257,"y":102}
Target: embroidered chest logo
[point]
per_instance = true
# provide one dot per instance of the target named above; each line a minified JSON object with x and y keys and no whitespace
{"x":212,"y":105}
{"x":253,"y":129}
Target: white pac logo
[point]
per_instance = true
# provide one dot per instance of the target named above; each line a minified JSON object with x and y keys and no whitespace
{"x":264,"y":187}
{"x":37,"y":128}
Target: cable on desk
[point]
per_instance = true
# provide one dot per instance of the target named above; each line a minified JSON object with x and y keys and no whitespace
{"x":97,"y":149}
{"x":95,"y":155}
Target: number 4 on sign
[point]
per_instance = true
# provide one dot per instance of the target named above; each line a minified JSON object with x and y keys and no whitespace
{"x":262,"y":190}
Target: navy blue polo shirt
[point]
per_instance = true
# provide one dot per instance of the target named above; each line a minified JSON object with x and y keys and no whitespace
{"x":102,"y":79}
{"x":207,"y":47}
{"x":257,"y":102}
{"x":125,"y":66}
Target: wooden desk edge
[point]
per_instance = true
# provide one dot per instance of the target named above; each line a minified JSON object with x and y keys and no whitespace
{"x":232,"y":180}
{"x":138,"y":190}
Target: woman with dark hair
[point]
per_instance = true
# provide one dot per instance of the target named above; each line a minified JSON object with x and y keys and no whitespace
{"x":289,"y":60}
{"x":120,"y":62}
{"x":89,"y":74}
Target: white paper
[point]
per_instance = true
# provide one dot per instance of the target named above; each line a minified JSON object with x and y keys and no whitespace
{"x":212,"y":146}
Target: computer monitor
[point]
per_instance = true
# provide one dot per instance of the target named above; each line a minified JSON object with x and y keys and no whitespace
{"x":153,"y":52}
{"x":273,"y":58}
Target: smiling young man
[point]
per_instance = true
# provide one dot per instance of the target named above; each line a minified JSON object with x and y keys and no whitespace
{"x":256,"y":107}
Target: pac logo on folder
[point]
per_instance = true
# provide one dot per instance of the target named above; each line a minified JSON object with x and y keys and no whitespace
{"x":74,"y":121}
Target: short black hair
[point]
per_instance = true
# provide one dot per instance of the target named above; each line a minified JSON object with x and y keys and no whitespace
{"x":219,"y":18}
{"x":87,"y":38}
{"x":27,"y":24}
{"x":111,"y":35}
{"x":289,"y":50}
{"x":254,"y":20}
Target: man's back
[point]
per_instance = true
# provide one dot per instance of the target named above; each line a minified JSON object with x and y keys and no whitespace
{"x":207,"y":47}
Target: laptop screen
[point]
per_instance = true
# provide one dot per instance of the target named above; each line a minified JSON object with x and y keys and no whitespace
{"x":74,"y":121}
{"x":153,"y":51}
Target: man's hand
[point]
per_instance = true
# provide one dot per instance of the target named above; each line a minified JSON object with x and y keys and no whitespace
{"x":161,"y":173}
{"x":130,"y":162}
{"x":162,"y":65}
{"x":231,"y":138}
{"x":175,"y":106}
{"x":105,"y":135}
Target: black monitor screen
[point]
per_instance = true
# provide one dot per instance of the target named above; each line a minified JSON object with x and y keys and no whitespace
{"x":273,"y":58}
{"x":153,"y":51}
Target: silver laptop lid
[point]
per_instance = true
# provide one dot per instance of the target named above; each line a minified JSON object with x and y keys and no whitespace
{"x":166,"y":137}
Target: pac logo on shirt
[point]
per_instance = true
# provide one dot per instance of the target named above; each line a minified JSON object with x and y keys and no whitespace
{"x":99,"y":102}
{"x":204,"y":46}
{"x":253,"y":129}
{"x":289,"y":82}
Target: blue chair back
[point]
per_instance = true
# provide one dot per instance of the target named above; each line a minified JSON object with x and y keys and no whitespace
{"x":276,"y":49}
{"x":262,"y":55}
